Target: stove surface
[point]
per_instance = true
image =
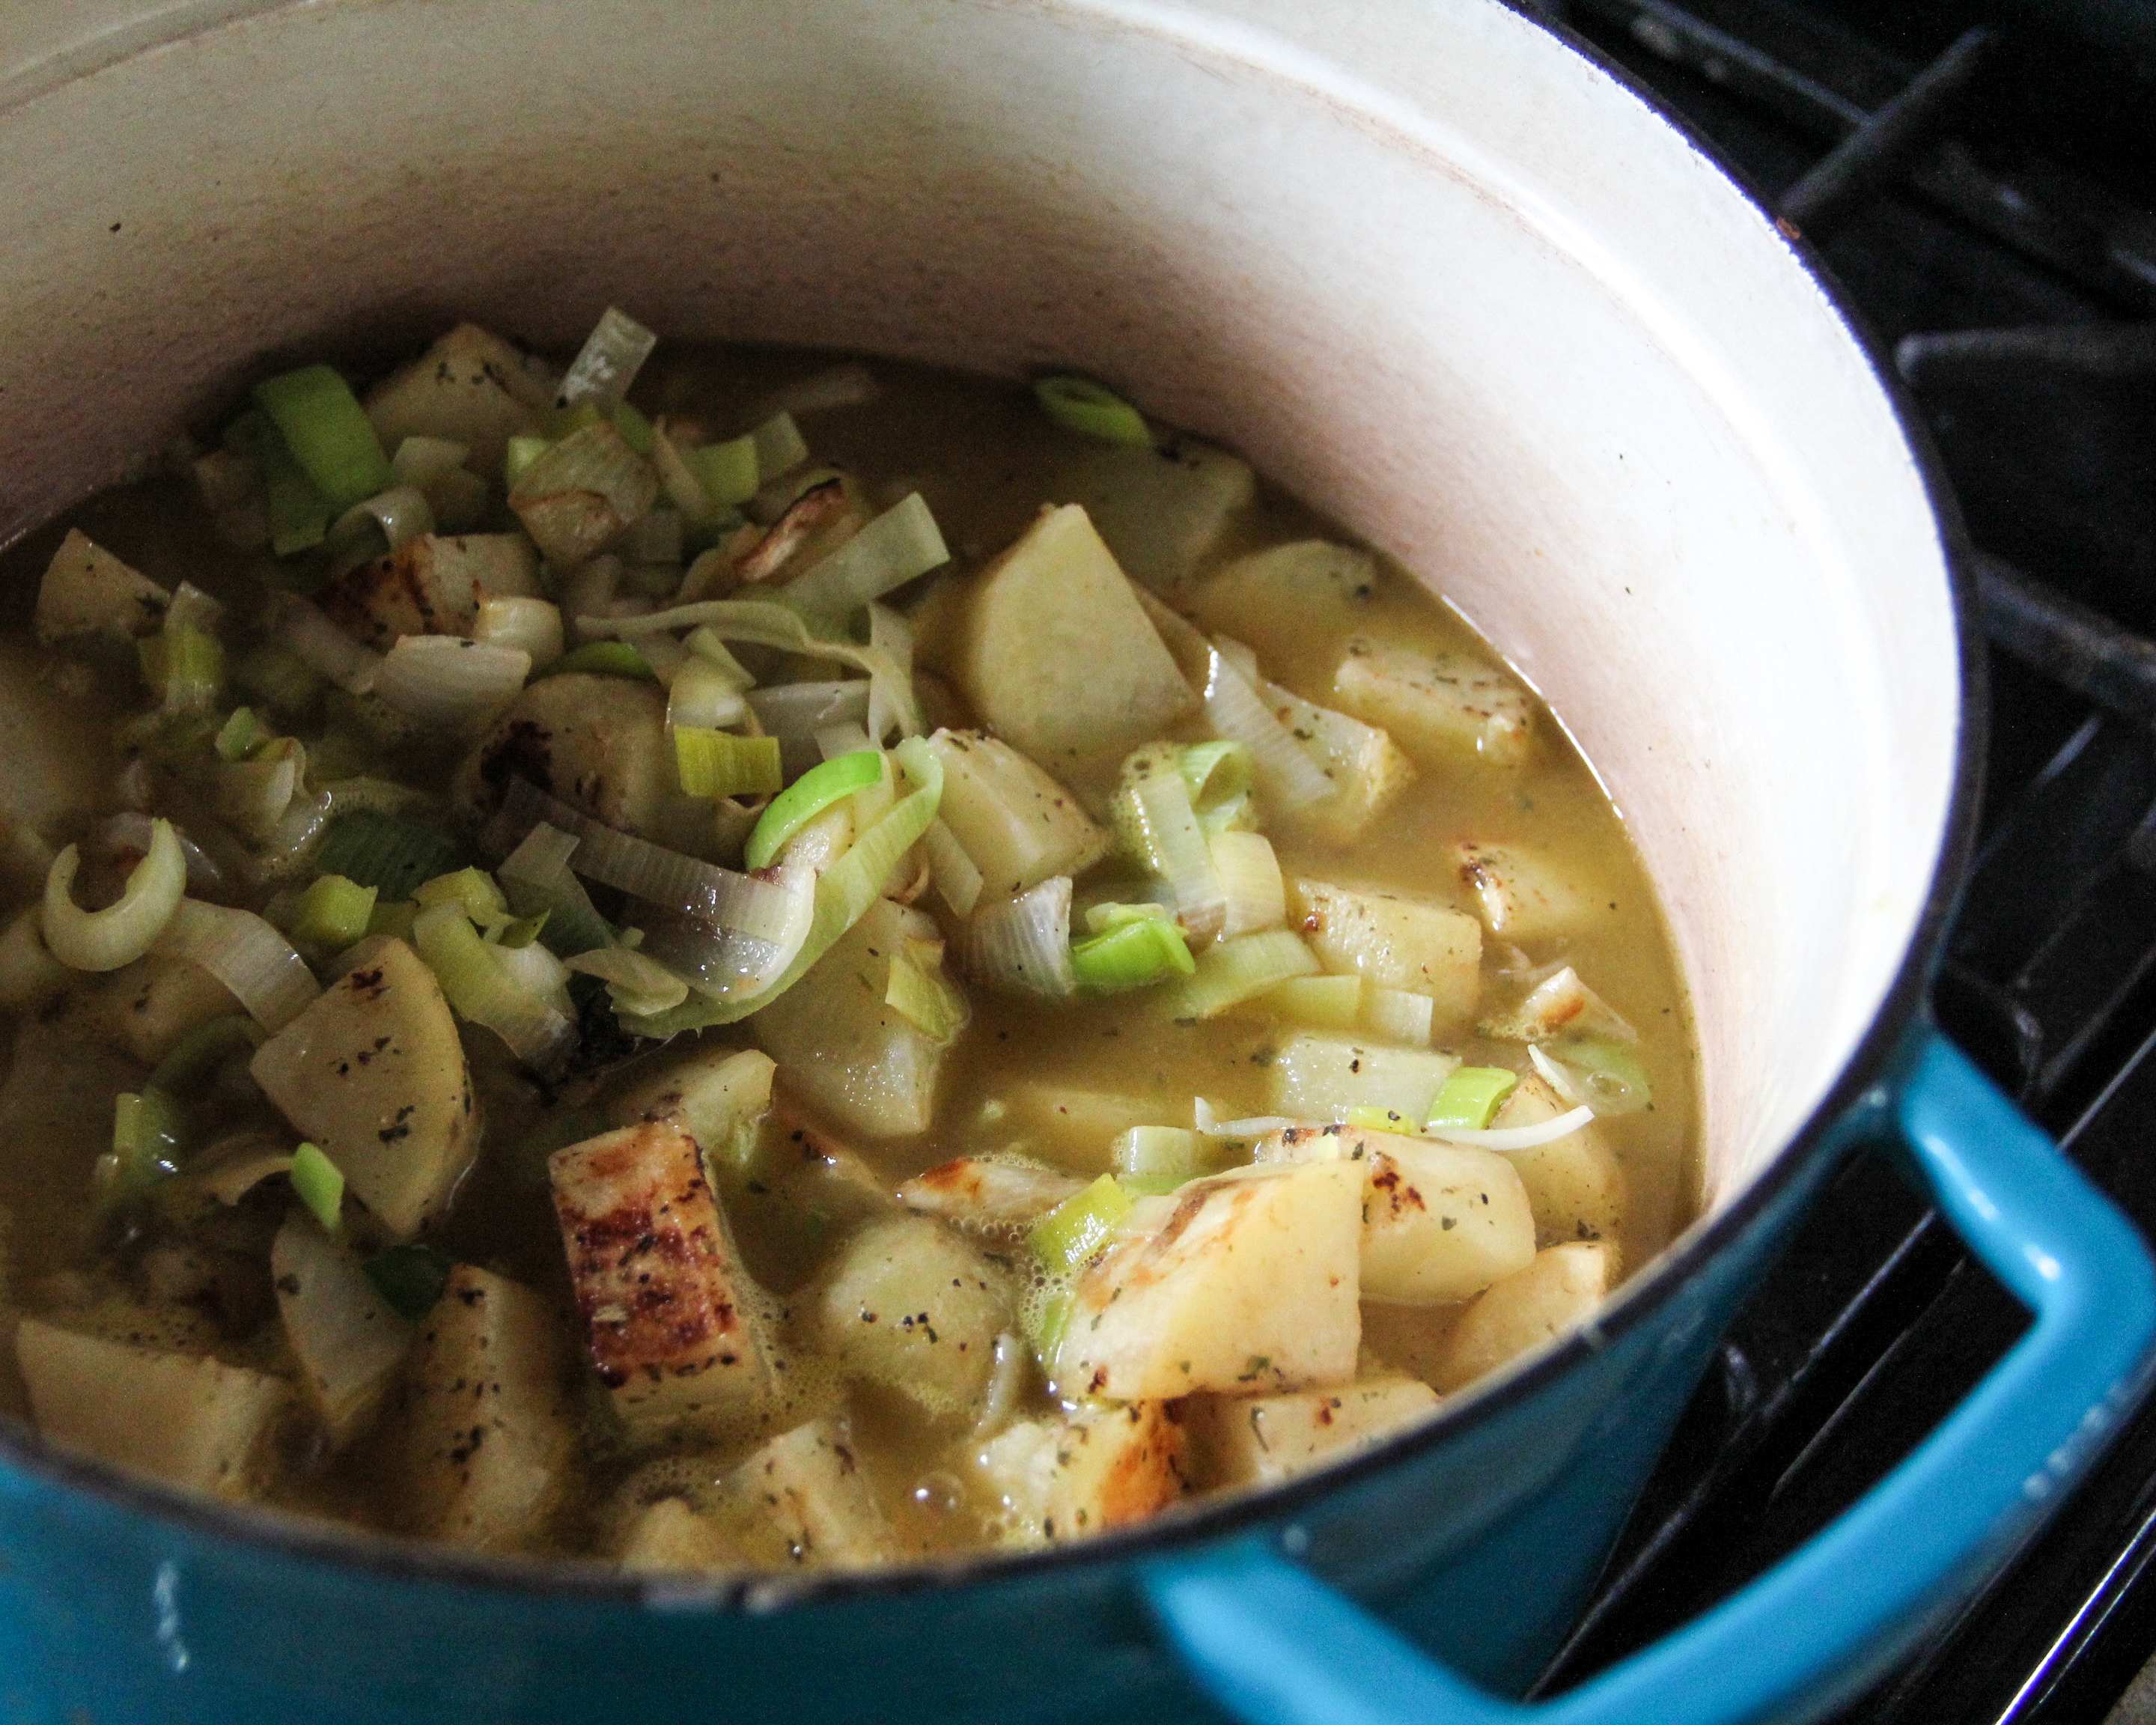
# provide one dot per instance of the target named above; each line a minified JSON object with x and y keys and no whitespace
{"x":1974,"y":186}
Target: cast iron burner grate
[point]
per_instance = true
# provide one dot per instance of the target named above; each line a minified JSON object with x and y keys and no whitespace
{"x":1980,"y":217}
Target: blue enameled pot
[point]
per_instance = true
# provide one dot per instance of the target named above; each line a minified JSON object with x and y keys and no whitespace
{"x":1443,"y":276}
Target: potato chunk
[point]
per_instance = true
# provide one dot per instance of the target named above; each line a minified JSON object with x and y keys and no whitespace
{"x":991,"y":1194}
{"x":1369,"y":770}
{"x":1394,"y":941}
{"x":87,"y":590}
{"x":1325,"y":1078}
{"x":1074,"y":1127}
{"x":809,"y":1483}
{"x":1441,"y":707}
{"x":471,"y":387}
{"x":1063,"y":1477}
{"x":1282,"y":599}
{"x":658,"y":1280}
{"x":1018,"y":825}
{"x":842,"y":1047}
{"x":187,"y":1420}
{"x":1551,"y":1296}
{"x":1518,"y":894}
{"x":430,"y":585}
{"x":598,"y":743}
{"x":372,"y":1071}
{"x":1164,"y":510}
{"x":909,"y":1305}
{"x":1440,"y":1222}
{"x":719,"y":1096}
{"x":1261,"y":1439}
{"x":1058,"y":657}
{"x":484,"y":1415}
{"x":151,"y":1003}
{"x":1575,"y":1184}
{"x":1248,"y":1285}
{"x":671,"y":1535}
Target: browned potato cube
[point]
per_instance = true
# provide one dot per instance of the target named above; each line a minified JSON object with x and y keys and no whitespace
{"x":658,"y":1280}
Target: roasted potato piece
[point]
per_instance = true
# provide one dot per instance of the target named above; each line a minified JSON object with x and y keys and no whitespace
{"x":1162,"y":510}
{"x":1395,"y":941}
{"x":809,"y":1483}
{"x":1576,"y":1184}
{"x":1281,"y":599}
{"x":1440,"y":1222}
{"x":598,"y":743}
{"x":87,"y":590}
{"x":1261,"y":1439}
{"x":1244,"y":1282}
{"x":470,"y":387}
{"x":658,"y":1280}
{"x":991,"y":1194}
{"x":1442,"y":708}
{"x":431,"y":585}
{"x":1518,"y":894}
{"x":1550,"y":1297}
{"x":1071,"y":1475}
{"x":842,"y":1047}
{"x":1018,"y":825}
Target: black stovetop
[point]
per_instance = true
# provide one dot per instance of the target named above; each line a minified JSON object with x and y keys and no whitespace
{"x":1976,"y":178}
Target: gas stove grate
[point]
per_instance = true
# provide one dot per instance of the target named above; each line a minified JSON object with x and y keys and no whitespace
{"x":2016,"y":287}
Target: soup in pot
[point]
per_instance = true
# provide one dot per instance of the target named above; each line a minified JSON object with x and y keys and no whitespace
{"x":744,"y":960}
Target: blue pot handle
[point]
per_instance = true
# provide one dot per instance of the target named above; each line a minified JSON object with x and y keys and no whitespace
{"x":1277,"y":1646}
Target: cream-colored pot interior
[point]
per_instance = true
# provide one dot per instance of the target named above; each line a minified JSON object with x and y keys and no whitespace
{"x":1414,"y":258}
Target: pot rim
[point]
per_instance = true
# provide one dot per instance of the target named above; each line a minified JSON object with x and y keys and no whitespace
{"x":405,"y":1556}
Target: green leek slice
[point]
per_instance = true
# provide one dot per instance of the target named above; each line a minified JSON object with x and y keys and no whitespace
{"x":410,"y":1278}
{"x":1470,"y":1096}
{"x":328,"y":434}
{"x":1079,"y":404}
{"x":335,"y":912}
{"x":320,"y":1184}
{"x":1079,"y":1226}
{"x":808,"y":797}
{"x":601,"y":659}
{"x":718,"y":763}
{"x":387,"y":851}
{"x":1133,"y":955}
{"x":728,"y":472}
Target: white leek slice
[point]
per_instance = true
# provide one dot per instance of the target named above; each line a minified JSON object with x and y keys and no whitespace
{"x":125,"y":929}
{"x":957,"y":879}
{"x":1233,"y":971}
{"x":445,"y":680}
{"x":677,"y":882}
{"x":1256,"y":897}
{"x":608,"y":362}
{"x":247,"y":954}
{"x":490,"y":986}
{"x":842,"y":893}
{"x":533,"y":624}
{"x":701,"y":695}
{"x":328,"y":650}
{"x":899,"y":546}
{"x":636,"y":983}
{"x":401,"y":514}
{"x":1159,"y":828}
{"x":1023,"y":943}
{"x":1288,"y":778}
{"x":1517,"y":1137}
{"x":766,"y":622}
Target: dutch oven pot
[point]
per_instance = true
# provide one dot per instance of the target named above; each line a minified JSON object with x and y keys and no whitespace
{"x":1449,"y":281}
